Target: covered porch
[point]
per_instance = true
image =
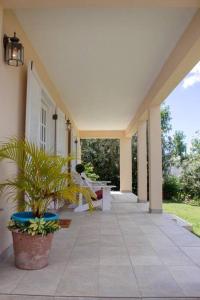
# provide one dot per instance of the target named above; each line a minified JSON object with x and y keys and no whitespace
{"x":124,"y":253}
{"x":104,"y":69}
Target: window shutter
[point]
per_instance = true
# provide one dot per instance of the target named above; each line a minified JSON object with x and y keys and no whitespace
{"x":33,"y":107}
{"x":38,"y":98}
{"x":61,"y":134}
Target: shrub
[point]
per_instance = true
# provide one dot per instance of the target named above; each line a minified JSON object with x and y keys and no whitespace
{"x":37,"y":226}
{"x":171,"y":188}
{"x":89,"y":171}
{"x":190,"y":179}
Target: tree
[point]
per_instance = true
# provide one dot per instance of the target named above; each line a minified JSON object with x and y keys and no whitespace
{"x":165,"y":119}
{"x":195,"y":147}
{"x":167,"y":143}
{"x":103,"y":154}
{"x":190,"y":178}
{"x":173,"y":147}
{"x":179,"y":146}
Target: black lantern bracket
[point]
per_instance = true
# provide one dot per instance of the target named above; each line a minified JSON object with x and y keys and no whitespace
{"x":5,"y":40}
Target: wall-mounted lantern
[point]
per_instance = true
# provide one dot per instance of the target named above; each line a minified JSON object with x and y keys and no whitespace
{"x":13,"y":50}
{"x":68,"y":124}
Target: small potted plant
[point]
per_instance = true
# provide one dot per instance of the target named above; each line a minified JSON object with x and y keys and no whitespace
{"x":41,"y":179}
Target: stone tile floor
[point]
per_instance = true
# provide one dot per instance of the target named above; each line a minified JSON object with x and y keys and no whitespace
{"x":124,"y":253}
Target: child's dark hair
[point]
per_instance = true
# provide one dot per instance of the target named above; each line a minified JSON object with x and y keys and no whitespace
{"x":80,"y":168}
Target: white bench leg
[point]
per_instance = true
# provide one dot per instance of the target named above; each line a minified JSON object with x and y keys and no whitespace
{"x":106,"y":201}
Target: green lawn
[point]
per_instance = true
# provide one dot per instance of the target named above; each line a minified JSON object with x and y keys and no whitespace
{"x":187,"y":212}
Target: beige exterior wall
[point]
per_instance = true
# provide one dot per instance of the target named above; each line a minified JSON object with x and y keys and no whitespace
{"x":8,"y":109}
{"x":12,"y":105}
{"x":125,"y":165}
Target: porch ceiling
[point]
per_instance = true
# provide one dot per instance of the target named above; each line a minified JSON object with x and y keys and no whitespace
{"x":104,"y":61}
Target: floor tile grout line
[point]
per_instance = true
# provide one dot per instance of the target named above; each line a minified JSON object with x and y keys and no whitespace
{"x":180,"y":248}
{"x":168,"y":267}
{"x":67,"y":263}
{"x":18,"y":281}
{"x":137,"y":282}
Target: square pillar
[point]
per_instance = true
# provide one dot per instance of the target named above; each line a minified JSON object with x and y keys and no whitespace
{"x":126,"y":164}
{"x":142,"y":161}
{"x":155,"y":160}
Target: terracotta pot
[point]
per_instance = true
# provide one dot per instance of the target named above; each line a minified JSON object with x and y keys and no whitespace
{"x":31,"y":252}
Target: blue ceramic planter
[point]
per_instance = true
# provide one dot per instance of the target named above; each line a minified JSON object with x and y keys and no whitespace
{"x":25,"y":216}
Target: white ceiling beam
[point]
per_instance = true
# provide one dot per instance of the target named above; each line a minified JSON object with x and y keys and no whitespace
{"x":101,"y":134}
{"x":181,"y":60}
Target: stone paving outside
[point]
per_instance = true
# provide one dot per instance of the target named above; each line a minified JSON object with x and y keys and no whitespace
{"x":124,"y":253}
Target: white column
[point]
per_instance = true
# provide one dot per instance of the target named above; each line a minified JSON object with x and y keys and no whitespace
{"x":125,"y":165}
{"x":142,"y":161}
{"x":155,"y":160}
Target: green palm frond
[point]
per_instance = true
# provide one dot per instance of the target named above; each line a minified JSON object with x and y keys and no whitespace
{"x":41,"y":177}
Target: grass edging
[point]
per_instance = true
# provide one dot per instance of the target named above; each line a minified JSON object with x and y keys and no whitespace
{"x":188,"y":213}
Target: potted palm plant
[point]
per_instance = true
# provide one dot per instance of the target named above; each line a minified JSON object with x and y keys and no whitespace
{"x":41,"y":179}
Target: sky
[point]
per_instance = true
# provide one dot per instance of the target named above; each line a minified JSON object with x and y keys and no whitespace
{"x":184,"y":104}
